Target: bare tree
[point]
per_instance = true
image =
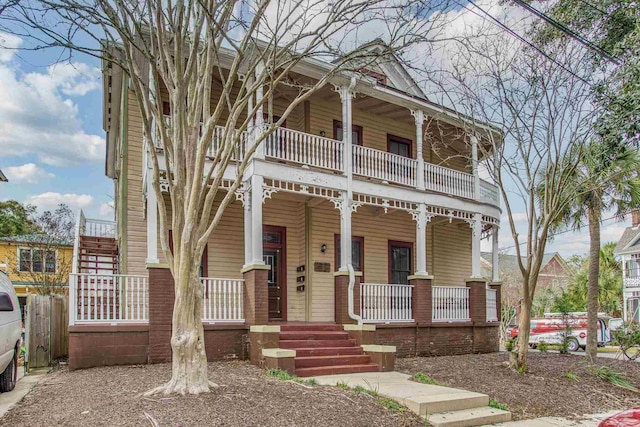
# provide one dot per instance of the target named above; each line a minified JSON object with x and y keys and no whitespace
{"x":44,"y":260}
{"x":175,"y":51}
{"x":542,"y":108}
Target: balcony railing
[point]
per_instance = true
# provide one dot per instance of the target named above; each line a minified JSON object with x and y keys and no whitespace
{"x":324,"y":153}
{"x":385,"y":303}
{"x":450,"y":304}
{"x":222,"y":300}
{"x":632,"y":282}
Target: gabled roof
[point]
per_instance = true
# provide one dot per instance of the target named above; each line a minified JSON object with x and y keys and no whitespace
{"x":509,"y":262}
{"x":629,"y":242}
{"x":2,"y":177}
{"x":36,"y":238}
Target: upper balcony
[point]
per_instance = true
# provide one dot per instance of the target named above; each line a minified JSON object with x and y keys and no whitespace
{"x":322,"y":154}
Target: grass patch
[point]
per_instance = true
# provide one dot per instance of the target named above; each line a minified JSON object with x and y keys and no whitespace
{"x":614,"y":377}
{"x":571,"y":376}
{"x":497,"y":405}
{"x":285,"y":376}
{"x":424,"y":379}
{"x":389,"y":404}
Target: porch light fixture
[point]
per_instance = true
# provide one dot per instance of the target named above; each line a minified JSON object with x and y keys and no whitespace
{"x":323,"y":248}
{"x":322,"y":133}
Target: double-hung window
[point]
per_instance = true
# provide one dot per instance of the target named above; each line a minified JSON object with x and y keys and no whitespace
{"x":36,"y":260}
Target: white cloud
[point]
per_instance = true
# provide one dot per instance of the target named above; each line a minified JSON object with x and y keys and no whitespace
{"x":107,"y":210}
{"x":51,"y":200}
{"x":29,"y":173}
{"x":37,"y":117}
{"x":8,"y":45}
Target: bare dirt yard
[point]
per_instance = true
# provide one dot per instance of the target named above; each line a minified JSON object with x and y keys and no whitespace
{"x":111,"y":396}
{"x":546,"y":390}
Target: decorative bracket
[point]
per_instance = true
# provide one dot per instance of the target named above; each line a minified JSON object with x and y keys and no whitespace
{"x":419,"y":116}
{"x":355,"y":206}
{"x":337,"y":203}
{"x":415,"y":215}
{"x":267,"y":192}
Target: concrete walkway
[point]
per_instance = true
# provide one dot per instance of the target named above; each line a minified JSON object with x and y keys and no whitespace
{"x":442,"y":405}
{"x":23,"y":387}
{"x":584,"y":421}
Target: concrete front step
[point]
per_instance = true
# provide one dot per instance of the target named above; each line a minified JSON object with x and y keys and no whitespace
{"x":315,"y":361}
{"x":469,"y":417}
{"x":445,"y":402}
{"x":329,"y":351}
{"x":307,"y":327}
{"x":294,"y":344}
{"x":336,"y":369}
{"x":313,"y":335}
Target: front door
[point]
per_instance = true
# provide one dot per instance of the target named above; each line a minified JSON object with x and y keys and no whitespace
{"x":274,"y":250}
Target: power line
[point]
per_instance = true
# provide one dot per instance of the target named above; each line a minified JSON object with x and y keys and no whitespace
{"x":525,"y":41}
{"x":562,"y":232}
{"x":568,"y":31}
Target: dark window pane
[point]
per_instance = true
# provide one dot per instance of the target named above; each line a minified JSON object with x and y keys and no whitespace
{"x":400,"y":264}
{"x":25,"y":259}
{"x":271,"y":237}
{"x":37,"y":261}
{"x":50,"y":262}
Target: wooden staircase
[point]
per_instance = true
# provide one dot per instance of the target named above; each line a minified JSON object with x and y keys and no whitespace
{"x":98,"y":255}
{"x":324,"y":349}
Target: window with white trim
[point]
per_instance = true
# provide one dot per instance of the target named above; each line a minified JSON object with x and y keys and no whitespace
{"x":37,"y":260}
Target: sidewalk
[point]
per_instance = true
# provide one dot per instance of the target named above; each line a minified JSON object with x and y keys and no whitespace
{"x":585,"y":421}
{"x":23,"y":387}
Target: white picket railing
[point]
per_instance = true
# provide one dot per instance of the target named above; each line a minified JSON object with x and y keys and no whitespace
{"x":489,"y":192}
{"x":381,"y":302}
{"x":492,"y":305}
{"x":108,"y":298}
{"x":304,"y":148}
{"x":450,"y":304}
{"x":383,"y":165}
{"x":98,"y":228}
{"x":631,"y":282}
{"x":448,"y":181}
{"x":218,"y":137}
{"x":222,"y":300}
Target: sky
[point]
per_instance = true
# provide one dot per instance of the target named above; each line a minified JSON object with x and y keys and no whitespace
{"x":52,"y":145}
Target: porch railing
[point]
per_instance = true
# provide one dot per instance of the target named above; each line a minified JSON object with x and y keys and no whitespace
{"x":492,"y":305}
{"x":385,"y":302}
{"x":222,"y":301}
{"x":384,"y":166}
{"x":632,"y":282}
{"x":489,"y":192}
{"x":108,"y":298}
{"x":305,"y":148}
{"x":450,"y":304}
{"x":448,"y":181}
{"x":95,"y":227}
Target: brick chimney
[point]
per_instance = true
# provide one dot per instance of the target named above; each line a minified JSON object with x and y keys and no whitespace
{"x":635,"y":218}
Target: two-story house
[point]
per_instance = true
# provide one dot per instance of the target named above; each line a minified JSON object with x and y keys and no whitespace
{"x":628,"y":248}
{"x":409,"y":195}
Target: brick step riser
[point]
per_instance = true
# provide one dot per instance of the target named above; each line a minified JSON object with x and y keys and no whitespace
{"x":313,"y":336}
{"x":316,"y":344}
{"x":311,"y":328}
{"x":314,"y":362}
{"x":330,"y":351}
{"x":333,"y":370}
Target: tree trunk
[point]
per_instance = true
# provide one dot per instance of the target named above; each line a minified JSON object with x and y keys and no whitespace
{"x":189,"y":359}
{"x":524,"y":326}
{"x":592,"y":294}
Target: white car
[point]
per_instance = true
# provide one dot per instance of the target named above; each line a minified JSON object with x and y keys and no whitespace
{"x":10,"y":334}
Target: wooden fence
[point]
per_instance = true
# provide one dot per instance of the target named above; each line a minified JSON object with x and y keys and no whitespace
{"x":46,"y":329}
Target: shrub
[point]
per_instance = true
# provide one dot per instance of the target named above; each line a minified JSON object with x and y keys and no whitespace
{"x":628,"y":338}
{"x":614,"y":377}
{"x":543,"y":347}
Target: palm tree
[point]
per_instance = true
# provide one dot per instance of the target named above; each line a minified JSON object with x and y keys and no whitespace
{"x":606,"y":179}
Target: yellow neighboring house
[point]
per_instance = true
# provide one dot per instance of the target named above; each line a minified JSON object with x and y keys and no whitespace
{"x":35,"y":260}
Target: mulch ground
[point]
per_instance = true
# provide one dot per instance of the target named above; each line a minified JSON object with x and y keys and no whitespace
{"x":543,"y":391}
{"x":111,"y":396}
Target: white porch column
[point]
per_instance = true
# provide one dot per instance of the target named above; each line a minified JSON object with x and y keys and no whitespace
{"x":495,"y":268}
{"x":422,"y":222}
{"x":474,"y":166}
{"x":346,"y":94}
{"x":345,"y":231}
{"x":259,"y":117}
{"x":476,"y":235}
{"x":256,"y":219}
{"x":419,"y":117}
{"x":624,"y":288}
{"x":248,"y":240}
{"x":152,"y":221}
